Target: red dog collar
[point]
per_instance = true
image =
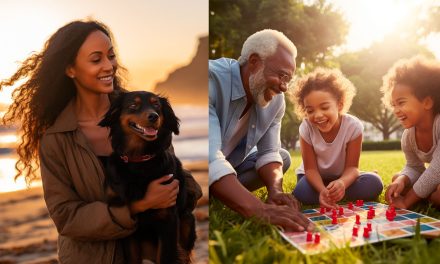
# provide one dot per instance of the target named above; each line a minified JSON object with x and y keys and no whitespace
{"x":137,"y":159}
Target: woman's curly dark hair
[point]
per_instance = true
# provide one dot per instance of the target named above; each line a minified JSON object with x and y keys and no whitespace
{"x":47,"y":90}
{"x":422,"y":75}
{"x":322,"y":79}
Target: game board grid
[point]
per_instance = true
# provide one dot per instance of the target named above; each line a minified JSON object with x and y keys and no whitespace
{"x":340,"y":235}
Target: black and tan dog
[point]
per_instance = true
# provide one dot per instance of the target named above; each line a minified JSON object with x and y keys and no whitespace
{"x":141,"y":126}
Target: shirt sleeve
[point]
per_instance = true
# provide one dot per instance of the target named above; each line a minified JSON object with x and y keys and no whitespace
{"x":304,"y":132}
{"x":358,"y":129}
{"x":414,"y":167}
{"x":218,"y":165}
{"x":270,"y":143}
{"x":430,"y":178}
{"x":73,"y":216}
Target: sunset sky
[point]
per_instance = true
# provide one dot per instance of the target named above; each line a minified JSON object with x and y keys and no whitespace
{"x":371,"y":20}
{"x":153,"y":37}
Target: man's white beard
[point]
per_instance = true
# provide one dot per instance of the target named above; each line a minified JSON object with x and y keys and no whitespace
{"x":257,"y":86}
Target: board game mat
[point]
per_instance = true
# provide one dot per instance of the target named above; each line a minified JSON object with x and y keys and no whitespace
{"x":341,"y":234}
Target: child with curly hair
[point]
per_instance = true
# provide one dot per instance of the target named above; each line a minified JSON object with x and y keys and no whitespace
{"x":331,"y":142}
{"x":412,"y":89}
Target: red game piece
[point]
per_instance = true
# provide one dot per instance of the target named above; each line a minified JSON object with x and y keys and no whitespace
{"x":369,"y":226}
{"x":322,"y":211}
{"x":366,"y":232}
{"x":358,"y":220}
{"x":370,"y":208}
{"x":309,"y":237}
{"x":334,"y":213}
{"x":317,"y":238}
{"x":373,"y":212}
{"x":358,"y":202}
{"x":369,"y":215}
{"x":341,"y":211}
{"x":334,"y":220}
{"x":328,"y":209}
{"x":355,"y":231}
{"x":350,"y":205}
{"x":362,"y":202}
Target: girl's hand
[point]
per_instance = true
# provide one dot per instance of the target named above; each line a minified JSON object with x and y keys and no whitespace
{"x":336,"y":190}
{"x":157,"y":196}
{"x":399,"y":202}
{"x":325,"y":201}
{"x":394,"y":189}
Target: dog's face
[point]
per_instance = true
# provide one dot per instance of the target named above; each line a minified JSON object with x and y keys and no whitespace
{"x":140,"y":117}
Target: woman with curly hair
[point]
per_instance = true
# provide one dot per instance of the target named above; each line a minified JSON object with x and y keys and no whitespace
{"x":330,"y":142}
{"x":67,"y":90}
{"x":412,"y":89}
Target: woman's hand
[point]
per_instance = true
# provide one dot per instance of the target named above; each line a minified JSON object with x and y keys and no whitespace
{"x":395,"y":189}
{"x":157,"y":196}
{"x":336,"y":190}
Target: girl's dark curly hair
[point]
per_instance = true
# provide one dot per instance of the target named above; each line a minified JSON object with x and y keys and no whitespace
{"x":323,"y":79}
{"x":47,"y":90}
{"x":420,"y":74}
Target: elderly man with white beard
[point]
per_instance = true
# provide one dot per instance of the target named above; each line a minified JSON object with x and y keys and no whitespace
{"x":246,"y":105}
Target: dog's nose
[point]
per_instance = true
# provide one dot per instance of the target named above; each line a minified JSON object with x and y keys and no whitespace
{"x":152,"y":117}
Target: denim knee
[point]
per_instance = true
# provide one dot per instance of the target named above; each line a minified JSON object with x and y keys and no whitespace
{"x":285,"y":155}
{"x":367,"y":187}
{"x":304,"y":192}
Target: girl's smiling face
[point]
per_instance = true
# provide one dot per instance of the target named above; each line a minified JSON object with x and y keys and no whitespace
{"x":323,"y":110}
{"x":407,"y":107}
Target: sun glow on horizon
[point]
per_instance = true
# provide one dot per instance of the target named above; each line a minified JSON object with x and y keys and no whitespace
{"x":152,"y":37}
{"x":371,"y":20}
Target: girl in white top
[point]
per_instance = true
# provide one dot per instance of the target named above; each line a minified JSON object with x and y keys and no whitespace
{"x":330,"y":142}
{"x":412,"y":88}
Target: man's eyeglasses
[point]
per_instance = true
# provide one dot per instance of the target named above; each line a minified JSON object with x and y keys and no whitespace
{"x":282,"y":76}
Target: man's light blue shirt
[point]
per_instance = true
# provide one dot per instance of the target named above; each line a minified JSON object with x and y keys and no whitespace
{"x":227,"y":100}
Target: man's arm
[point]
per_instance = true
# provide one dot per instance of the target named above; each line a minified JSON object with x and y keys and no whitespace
{"x":270,"y":164}
{"x":232,"y":193}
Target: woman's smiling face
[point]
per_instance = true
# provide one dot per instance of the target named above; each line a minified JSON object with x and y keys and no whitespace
{"x":95,"y":65}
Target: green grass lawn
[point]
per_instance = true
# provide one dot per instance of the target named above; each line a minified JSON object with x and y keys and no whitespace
{"x":232,"y":239}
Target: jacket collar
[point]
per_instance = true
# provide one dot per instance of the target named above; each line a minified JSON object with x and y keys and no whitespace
{"x":66,"y":121}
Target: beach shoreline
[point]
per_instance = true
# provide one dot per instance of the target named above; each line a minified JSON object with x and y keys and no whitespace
{"x":28,"y":235}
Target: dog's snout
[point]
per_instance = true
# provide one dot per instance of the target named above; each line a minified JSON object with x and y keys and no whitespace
{"x":152,"y":117}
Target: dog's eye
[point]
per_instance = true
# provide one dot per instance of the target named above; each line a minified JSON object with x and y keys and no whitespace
{"x":133,"y":107}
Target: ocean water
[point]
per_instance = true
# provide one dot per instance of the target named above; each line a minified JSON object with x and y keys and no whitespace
{"x":190,"y":145}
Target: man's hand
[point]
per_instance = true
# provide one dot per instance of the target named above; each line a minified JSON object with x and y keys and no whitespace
{"x":336,"y":190}
{"x":283,"y":199}
{"x":284,"y":216}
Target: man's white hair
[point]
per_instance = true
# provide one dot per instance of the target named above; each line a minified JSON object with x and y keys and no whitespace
{"x":265,"y":43}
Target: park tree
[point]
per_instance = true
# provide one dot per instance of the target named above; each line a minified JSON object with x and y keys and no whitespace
{"x":316,"y":29}
{"x":366,"y":68}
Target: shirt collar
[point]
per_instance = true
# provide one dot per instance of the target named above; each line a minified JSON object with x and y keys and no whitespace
{"x":237,"y":84}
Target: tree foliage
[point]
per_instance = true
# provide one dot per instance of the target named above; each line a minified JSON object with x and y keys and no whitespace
{"x":315,"y":29}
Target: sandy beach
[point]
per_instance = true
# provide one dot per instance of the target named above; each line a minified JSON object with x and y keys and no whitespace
{"x":28,"y":235}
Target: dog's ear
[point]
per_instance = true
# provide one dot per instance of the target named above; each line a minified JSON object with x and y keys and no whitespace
{"x":170,"y":119}
{"x":114,"y":112}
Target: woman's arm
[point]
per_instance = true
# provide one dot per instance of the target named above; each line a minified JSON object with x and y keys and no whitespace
{"x":73,"y":216}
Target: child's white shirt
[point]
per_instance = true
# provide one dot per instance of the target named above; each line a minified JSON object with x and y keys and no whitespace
{"x":330,"y":157}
